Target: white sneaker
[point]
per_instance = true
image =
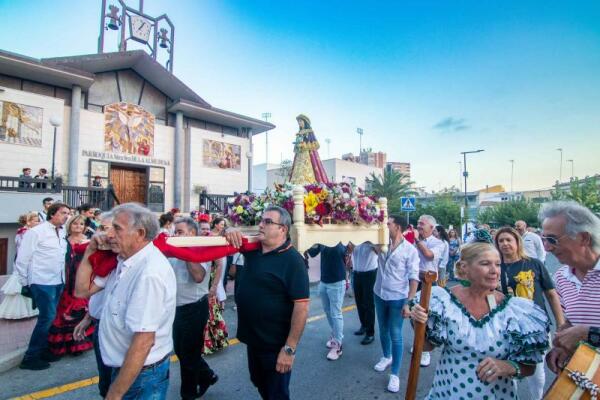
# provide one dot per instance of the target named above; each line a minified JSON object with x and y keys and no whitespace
{"x":394,"y":384}
{"x":330,"y":343}
{"x":425,"y":359}
{"x":382,"y":364}
{"x":335,"y":352}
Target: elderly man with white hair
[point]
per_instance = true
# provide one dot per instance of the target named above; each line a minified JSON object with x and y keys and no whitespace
{"x":572,"y":233}
{"x":139,"y":305}
{"x":430,"y":251}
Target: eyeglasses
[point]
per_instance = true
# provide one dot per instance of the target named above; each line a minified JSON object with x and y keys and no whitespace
{"x":551,"y":240}
{"x":269,"y":221}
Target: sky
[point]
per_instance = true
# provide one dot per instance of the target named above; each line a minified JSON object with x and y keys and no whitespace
{"x":425,"y":80}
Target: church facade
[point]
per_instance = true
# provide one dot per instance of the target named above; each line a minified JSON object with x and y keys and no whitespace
{"x":124,"y":120}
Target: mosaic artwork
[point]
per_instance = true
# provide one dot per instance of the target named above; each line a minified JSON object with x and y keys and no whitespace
{"x":128,"y":129}
{"x":20,"y":124}
{"x":221,"y":155}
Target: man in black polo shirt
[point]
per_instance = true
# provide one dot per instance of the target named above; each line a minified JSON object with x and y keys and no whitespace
{"x":272,"y":297}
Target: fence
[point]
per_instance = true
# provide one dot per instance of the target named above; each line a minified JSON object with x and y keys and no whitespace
{"x":214,"y":203}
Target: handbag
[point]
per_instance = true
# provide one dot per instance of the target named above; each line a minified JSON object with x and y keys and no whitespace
{"x":581,"y":377}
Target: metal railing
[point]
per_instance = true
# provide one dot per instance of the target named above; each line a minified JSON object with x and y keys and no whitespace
{"x":214,"y":203}
{"x":74,"y":196}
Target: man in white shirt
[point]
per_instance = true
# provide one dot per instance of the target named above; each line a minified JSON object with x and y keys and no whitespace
{"x":40,"y":265}
{"x":532,"y":243}
{"x":364,"y":271}
{"x":47,"y":202}
{"x":430,"y":251}
{"x":191,"y":316}
{"x":139,"y":306}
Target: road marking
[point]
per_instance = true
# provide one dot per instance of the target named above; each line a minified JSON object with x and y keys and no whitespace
{"x":54,"y":391}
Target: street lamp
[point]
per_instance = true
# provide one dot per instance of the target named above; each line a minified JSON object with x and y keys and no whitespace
{"x":360,"y":133}
{"x":466,"y":174}
{"x":512,"y":174}
{"x":328,"y":141}
{"x":55,"y":122}
{"x":572,"y":173}
{"x":560,"y":170}
{"x":266,"y":116}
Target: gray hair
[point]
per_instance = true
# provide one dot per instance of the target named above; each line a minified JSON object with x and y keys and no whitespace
{"x":106,"y":215}
{"x":429,"y":219}
{"x":139,"y":218}
{"x":579,"y":219}
{"x":191,"y":224}
{"x":284,"y":216}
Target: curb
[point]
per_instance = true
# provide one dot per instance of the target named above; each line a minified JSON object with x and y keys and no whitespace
{"x":11,"y":360}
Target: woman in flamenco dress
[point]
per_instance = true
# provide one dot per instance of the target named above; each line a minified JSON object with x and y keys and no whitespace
{"x":307,"y":167}
{"x":71,"y":310}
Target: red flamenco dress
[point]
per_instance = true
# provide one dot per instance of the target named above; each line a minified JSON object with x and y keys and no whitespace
{"x":70,"y":310}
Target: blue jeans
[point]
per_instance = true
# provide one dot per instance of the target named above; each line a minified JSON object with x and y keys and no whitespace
{"x":46,"y":298}
{"x":104,"y":371}
{"x":332,"y":297}
{"x":389,"y":318}
{"x":151,"y":384}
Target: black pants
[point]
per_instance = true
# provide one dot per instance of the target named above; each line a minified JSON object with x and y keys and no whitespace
{"x":188,"y":341}
{"x":104,"y":372}
{"x":270,"y":384}
{"x":365,"y":303}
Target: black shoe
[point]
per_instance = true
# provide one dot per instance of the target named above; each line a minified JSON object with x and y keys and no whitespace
{"x":360,"y":332}
{"x":367,"y":340}
{"x":49,"y":357}
{"x":204,"y":386}
{"x":34,"y":364}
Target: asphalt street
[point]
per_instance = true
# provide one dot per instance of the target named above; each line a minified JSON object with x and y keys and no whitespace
{"x":314,"y":377}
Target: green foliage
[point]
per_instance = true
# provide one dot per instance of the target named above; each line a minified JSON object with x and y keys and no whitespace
{"x":444,"y":209}
{"x":506,"y":213}
{"x":585,"y":191}
{"x":284,"y":169}
{"x":392,"y":185}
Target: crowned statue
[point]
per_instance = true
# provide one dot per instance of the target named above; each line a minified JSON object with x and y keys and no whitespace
{"x":307,"y":167}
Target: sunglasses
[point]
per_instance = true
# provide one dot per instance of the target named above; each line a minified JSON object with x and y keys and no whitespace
{"x":269,"y":221}
{"x":551,"y":240}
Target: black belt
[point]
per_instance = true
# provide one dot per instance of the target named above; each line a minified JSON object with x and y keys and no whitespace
{"x":364,"y":272}
{"x":147,"y":367}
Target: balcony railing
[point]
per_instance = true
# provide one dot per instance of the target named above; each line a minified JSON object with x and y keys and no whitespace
{"x":214,"y":203}
{"x":73,"y":196}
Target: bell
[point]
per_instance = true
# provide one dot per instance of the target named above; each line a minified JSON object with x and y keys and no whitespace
{"x":114,"y":21}
{"x":164,"y":41}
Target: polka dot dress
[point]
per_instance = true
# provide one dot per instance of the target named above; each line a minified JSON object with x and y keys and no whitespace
{"x":515,"y":330}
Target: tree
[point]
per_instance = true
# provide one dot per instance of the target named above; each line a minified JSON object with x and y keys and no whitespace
{"x":506,"y":213}
{"x":284,"y":169}
{"x":443,"y":208}
{"x":584,"y":191}
{"x":392,"y":185}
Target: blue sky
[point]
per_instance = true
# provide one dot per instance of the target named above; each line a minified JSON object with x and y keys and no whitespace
{"x":424,"y":79}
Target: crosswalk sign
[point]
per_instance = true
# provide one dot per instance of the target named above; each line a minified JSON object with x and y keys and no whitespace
{"x":407,"y":204}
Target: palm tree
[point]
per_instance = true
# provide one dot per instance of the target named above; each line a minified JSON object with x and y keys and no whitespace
{"x":392,"y":185}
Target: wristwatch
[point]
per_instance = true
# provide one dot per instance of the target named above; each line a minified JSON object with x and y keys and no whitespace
{"x":289,"y":350}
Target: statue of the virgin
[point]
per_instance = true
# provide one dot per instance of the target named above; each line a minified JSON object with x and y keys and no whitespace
{"x":307,"y":167}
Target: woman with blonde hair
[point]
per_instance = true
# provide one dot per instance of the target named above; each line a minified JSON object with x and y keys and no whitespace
{"x":527,"y":277}
{"x":71,"y":310}
{"x":488,"y":338}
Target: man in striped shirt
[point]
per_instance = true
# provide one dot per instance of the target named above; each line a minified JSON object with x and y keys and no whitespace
{"x":572,"y":233}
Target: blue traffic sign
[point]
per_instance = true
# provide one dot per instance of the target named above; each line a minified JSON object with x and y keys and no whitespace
{"x":407,"y":204}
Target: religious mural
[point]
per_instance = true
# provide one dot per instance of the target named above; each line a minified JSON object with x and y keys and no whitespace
{"x":128,"y":129}
{"x":222,"y":155}
{"x":20,"y":124}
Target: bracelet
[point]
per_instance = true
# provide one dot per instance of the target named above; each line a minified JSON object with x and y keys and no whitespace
{"x":594,"y":336}
{"x":517,"y":368}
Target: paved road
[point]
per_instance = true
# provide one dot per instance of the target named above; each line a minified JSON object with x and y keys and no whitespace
{"x":314,"y":377}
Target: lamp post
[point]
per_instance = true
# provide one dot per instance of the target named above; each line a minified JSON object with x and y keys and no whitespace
{"x":560,"y":170}
{"x":360,"y":133}
{"x":572,"y":173}
{"x":466,"y":174}
{"x":328,"y":141}
{"x":512,"y":174}
{"x":266,"y":117}
{"x":55,"y":122}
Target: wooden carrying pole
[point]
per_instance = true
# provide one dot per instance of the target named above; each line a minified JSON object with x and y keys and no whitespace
{"x":419,"y":341}
{"x":200,"y":241}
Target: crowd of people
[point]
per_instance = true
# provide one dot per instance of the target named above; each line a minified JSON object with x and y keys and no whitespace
{"x":110,"y":281}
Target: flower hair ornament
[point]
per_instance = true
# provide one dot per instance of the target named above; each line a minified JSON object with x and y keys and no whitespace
{"x":480,"y":236}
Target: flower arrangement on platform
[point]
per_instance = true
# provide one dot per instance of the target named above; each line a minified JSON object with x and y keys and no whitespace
{"x":337,"y":203}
